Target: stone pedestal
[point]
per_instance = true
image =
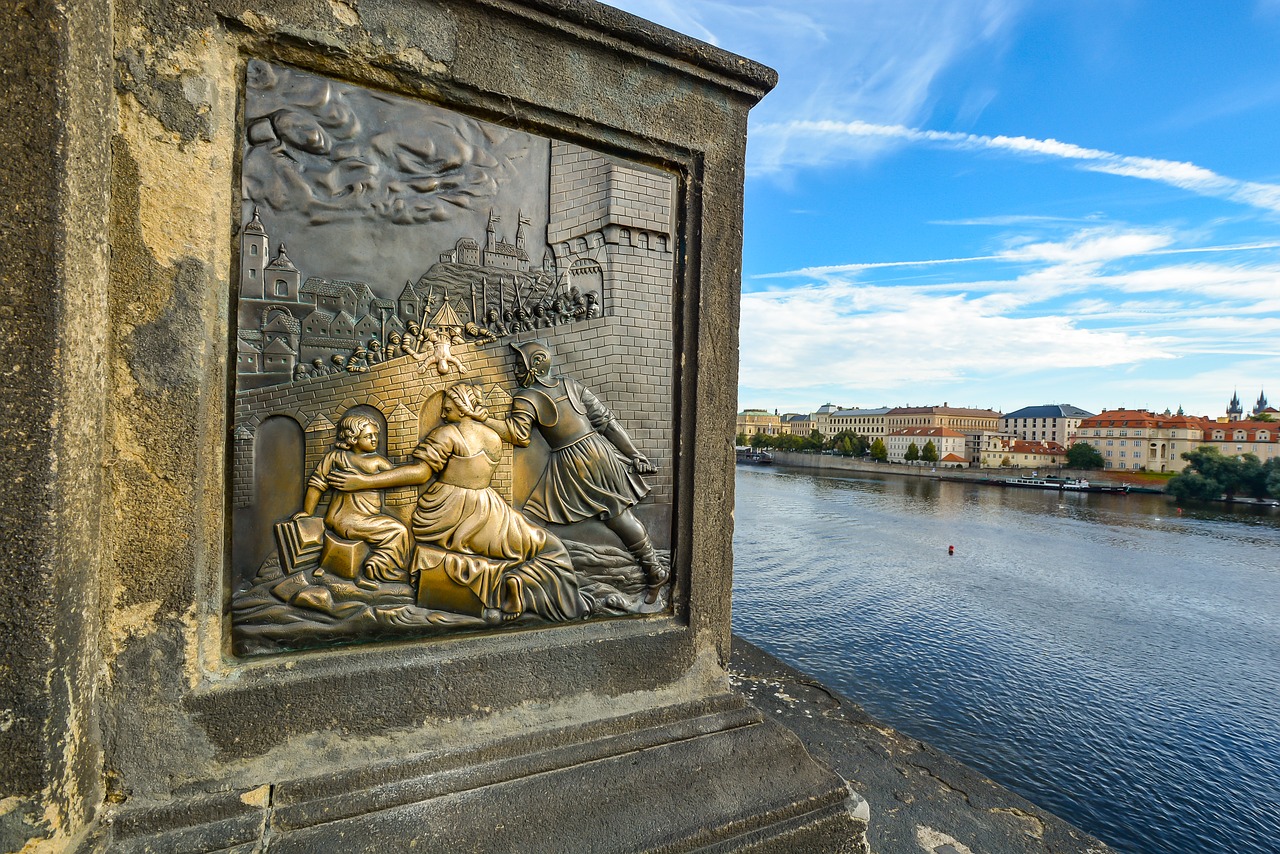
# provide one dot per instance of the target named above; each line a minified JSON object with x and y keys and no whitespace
{"x":711,"y":776}
{"x":136,"y":723}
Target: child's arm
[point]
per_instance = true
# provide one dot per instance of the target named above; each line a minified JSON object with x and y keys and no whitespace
{"x":309,"y":503}
{"x":316,"y":486}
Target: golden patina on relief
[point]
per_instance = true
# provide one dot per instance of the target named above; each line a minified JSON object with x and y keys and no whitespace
{"x":444,"y":382}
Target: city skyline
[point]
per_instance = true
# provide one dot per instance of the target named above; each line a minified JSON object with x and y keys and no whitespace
{"x":1247,"y":402}
{"x":1006,"y":197}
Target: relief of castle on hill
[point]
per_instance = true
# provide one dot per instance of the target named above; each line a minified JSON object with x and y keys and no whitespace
{"x":453,"y":395}
{"x":292,"y":329}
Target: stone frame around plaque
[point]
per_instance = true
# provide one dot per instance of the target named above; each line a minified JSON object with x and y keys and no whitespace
{"x":542,"y":323}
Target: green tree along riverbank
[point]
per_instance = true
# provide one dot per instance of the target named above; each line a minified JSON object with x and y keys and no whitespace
{"x":1082,"y":455}
{"x":1210,"y":476}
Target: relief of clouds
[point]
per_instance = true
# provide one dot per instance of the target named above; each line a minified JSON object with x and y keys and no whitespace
{"x":333,"y":152}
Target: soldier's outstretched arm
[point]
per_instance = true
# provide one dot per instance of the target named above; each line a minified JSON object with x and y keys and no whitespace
{"x":618,"y":437}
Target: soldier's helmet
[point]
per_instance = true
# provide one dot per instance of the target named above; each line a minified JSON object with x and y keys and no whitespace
{"x":535,"y":361}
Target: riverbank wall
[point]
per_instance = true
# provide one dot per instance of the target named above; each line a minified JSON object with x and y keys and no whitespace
{"x":834,"y":463}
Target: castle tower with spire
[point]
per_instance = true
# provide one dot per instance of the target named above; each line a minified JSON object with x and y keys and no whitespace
{"x":1235,"y":411}
{"x":497,"y":251}
{"x":1262,"y":404}
{"x":491,"y":232}
{"x":520,"y":235}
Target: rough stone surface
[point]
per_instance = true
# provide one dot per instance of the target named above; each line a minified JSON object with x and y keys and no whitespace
{"x":921,"y":801}
{"x":54,"y":64}
{"x":183,"y":716}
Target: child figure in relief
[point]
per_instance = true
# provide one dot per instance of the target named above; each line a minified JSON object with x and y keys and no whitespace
{"x":358,"y":515}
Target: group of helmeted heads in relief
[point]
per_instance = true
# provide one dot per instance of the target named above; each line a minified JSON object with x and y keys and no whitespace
{"x":462,"y":526}
{"x":431,"y":345}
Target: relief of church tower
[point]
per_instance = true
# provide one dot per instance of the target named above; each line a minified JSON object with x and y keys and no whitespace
{"x":253,"y":258}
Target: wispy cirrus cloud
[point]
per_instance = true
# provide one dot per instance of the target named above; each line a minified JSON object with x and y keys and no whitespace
{"x":867,"y":58}
{"x":1013,"y":219}
{"x":830,"y":135}
{"x":1084,"y":247}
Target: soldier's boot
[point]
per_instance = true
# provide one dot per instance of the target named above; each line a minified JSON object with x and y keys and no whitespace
{"x":655,"y":573}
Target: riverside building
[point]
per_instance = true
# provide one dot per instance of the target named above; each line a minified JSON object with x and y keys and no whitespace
{"x":1135,"y":439}
{"x":1005,"y":450}
{"x":871,"y":423}
{"x":1048,"y":423}
{"x":950,"y":444}
{"x":753,"y":421}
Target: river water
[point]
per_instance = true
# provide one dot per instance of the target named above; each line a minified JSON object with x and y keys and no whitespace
{"x":1107,"y":658}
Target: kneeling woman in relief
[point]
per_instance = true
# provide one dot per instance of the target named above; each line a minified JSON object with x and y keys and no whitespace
{"x":460,"y":522}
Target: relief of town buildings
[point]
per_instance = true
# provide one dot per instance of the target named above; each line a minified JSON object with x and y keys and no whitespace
{"x":293,"y":328}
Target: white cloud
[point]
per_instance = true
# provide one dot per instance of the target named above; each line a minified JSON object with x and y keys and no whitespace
{"x":874,"y":337}
{"x":1091,"y":246}
{"x":1085,"y":247}
{"x":1134,"y":309}
{"x":1010,"y":219}
{"x":1185,"y":176}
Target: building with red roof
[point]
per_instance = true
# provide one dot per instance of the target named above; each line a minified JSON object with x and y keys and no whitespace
{"x":1135,"y":439}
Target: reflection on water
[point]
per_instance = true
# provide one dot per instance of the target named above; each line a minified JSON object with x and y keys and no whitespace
{"x":1102,"y":655}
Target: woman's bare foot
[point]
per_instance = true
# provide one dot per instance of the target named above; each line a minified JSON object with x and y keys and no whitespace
{"x":365,"y":579}
{"x":512,"y":598}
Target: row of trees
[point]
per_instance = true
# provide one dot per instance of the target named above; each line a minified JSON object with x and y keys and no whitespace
{"x":846,"y":443}
{"x":785,"y":442}
{"x":1210,"y":475}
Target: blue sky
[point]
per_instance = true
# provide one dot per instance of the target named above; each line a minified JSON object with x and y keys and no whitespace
{"x":1002,"y":203}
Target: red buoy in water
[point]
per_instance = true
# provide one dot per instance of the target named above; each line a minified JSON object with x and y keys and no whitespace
{"x":951,"y":550}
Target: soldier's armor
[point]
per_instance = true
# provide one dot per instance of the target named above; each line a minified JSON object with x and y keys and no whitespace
{"x":560,"y":413}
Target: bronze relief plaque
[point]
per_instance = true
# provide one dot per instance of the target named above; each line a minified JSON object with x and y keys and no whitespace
{"x":453,"y":373}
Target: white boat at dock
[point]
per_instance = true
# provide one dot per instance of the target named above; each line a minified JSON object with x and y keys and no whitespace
{"x":1062,"y":483}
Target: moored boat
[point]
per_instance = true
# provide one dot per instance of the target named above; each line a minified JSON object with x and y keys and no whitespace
{"x":1061,"y":483}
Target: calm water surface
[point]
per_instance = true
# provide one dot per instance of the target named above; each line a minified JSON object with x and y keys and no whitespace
{"x":1108,"y":659}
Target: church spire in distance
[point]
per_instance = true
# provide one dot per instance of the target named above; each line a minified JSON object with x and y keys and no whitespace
{"x":1234,"y":410}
